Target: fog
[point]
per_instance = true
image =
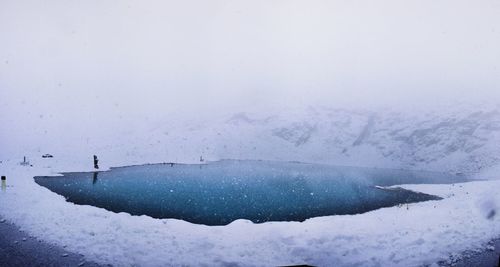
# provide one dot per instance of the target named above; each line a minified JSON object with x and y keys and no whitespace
{"x":107,"y":59}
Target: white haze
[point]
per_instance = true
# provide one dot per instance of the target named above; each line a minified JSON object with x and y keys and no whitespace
{"x":71,"y":66}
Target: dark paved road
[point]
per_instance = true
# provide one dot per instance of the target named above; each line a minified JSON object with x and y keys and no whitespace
{"x":489,"y":258}
{"x":17,"y":248}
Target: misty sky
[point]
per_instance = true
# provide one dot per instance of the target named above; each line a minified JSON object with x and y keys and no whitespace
{"x":115,"y":57}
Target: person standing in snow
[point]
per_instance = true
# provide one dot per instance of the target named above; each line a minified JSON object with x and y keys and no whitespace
{"x":4,"y":183}
{"x":96,"y":161}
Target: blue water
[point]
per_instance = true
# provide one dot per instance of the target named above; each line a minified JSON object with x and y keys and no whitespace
{"x":220,"y":192}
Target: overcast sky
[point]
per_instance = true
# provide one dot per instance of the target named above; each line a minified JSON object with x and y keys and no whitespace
{"x":115,"y":57}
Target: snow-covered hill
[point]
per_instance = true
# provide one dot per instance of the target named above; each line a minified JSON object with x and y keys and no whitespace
{"x":455,"y":139}
{"x":460,"y":140}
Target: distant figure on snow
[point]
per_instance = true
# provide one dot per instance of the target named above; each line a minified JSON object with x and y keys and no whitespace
{"x":96,"y":161}
{"x":25,"y":162}
{"x":4,"y":183}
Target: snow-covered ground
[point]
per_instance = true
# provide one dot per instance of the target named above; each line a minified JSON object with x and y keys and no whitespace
{"x":412,"y":235}
{"x":461,"y":140}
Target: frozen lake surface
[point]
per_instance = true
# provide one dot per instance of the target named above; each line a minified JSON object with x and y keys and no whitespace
{"x":220,"y":192}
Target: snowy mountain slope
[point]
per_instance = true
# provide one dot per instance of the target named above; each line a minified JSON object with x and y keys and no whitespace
{"x":456,"y":139}
{"x":464,"y":141}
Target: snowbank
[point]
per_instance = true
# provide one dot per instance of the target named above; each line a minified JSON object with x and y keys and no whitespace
{"x":412,"y":235}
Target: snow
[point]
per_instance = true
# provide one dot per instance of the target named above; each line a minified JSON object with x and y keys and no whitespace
{"x":456,"y":139}
{"x":461,"y":140}
{"x":428,"y":231}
